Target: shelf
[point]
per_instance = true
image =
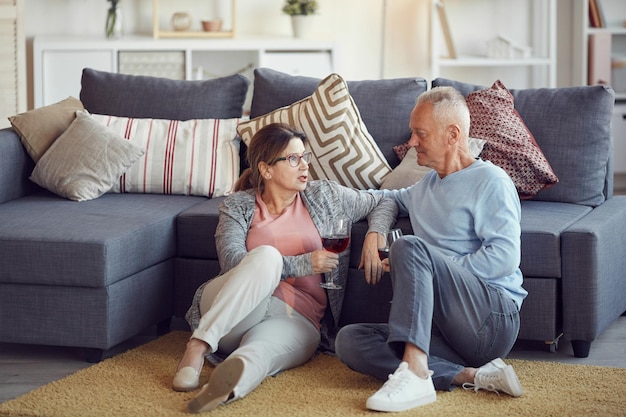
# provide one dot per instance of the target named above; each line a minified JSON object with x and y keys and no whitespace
{"x":58,"y":60}
{"x":479,"y":61}
{"x":192,"y":34}
{"x":614,"y":30}
{"x":482,"y":51}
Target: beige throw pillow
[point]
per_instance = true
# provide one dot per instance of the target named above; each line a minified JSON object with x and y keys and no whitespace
{"x":39,"y":128}
{"x":85,"y":161}
{"x":343,"y":150}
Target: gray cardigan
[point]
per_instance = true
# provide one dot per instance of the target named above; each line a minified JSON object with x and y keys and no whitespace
{"x":323,"y":199}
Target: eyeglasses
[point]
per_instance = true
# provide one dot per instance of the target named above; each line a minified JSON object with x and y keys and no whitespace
{"x":294,"y":159}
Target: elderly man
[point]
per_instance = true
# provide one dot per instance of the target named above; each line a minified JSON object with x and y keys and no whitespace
{"x":457,"y":286}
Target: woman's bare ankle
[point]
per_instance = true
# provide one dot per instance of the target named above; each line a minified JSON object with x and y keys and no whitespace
{"x":194,"y":354}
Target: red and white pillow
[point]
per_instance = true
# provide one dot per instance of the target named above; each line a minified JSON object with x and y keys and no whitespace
{"x":193,"y":157}
{"x":510,"y":144}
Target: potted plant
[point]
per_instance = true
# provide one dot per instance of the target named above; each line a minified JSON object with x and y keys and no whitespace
{"x":300,"y":7}
{"x":299,"y":10}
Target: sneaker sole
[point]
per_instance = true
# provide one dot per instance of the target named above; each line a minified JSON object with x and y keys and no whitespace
{"x":401,"y":406}
{"x":221,"y":384}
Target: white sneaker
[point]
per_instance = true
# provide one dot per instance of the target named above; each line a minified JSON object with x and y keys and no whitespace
{"x":496,"y":376}
{"x":402,"y":391}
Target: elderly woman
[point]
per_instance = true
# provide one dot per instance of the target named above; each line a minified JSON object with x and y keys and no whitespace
{"x":266,"y":311}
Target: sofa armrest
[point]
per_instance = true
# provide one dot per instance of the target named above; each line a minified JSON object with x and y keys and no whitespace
{"x":593,"y":284}
{"x":15,"y":167}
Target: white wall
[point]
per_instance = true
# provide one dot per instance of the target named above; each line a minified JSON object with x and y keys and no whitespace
{"x":356,"y":26}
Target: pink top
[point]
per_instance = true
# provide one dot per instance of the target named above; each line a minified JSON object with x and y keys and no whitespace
{"x":292,"y":233}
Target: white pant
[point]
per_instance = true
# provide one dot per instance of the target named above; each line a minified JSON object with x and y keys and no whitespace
{"x":240,"y":314}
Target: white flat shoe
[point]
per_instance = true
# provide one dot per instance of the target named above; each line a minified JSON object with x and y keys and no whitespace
{"x":186,"y":379}
{"x":220,"y":388}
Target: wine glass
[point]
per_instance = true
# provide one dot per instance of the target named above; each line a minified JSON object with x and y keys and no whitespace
{"x":335,"y":238}
{"x":385,"y":241}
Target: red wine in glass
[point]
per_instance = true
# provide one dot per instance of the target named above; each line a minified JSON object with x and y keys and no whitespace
{"x":385,"y":243}
{"x":335,"y":238}
{"x":336,"y":244}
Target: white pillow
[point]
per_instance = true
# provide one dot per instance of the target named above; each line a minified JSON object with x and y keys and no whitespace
{"x":408,"y":172}
{"x":85,"y":161}
{"x":194,"y":157}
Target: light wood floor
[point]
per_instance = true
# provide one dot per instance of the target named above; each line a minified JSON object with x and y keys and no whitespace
{"x":26,"y":367}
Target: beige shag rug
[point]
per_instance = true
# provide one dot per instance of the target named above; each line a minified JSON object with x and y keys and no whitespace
{"x":137,"y":383}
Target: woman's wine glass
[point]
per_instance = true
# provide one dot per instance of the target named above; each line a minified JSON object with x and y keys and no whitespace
{"x":335,"y":238}
{"x":385,"y":241}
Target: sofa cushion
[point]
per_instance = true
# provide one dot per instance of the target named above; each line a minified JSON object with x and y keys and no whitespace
{"x":542,"y":225}
{"x":15,"y":168}
{"x":195,"y":230}
{"x":162,"y":98}
{"x":384,"y":105}
{"x":510,"y":144}
{"x":91,"y":244}
{"x":579,"y":117}
{"x":343,"y":150}
{"x":39,"y":128}
{"x":85,"y":161}
{"x":192,"y":157}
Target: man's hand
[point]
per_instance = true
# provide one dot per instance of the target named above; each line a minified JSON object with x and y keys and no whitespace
{"x":370,"y":262}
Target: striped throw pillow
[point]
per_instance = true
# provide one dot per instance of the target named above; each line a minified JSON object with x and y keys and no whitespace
{"x":343,"y":149}
{"x":193,"y":157}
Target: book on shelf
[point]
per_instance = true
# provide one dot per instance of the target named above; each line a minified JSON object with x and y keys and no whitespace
{"x":596,"y":14}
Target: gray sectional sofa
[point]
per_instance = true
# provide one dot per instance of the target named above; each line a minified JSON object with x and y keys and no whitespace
{"x":92,"y":274}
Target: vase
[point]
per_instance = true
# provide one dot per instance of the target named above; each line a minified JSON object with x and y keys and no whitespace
{"x":302,"y":26}
{"x":114,"y":27}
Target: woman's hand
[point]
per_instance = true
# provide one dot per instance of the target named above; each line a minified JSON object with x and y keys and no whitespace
{"x":324,"y":261}
{"x":370,"y":262}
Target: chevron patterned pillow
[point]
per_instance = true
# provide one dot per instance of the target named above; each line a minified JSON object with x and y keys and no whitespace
{"x":343,"y":150}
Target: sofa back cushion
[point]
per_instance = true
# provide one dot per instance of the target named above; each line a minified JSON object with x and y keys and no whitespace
{"x":161,"y":98}
{"x":572,"y":126}
{"x":384,"y":105}
{"x":15,"y":167}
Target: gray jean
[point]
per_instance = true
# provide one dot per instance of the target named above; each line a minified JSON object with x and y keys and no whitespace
{"x":445,"y":310}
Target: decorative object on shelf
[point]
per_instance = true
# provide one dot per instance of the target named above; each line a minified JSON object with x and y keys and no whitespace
{"x":502,"y":47}
{"x":181,"y":21}
{"x":114,"y":26}
{"x":214,"y":25}
{"x":214,"y":19}
{"x":299,"y":10}
{"x":445,"y":27}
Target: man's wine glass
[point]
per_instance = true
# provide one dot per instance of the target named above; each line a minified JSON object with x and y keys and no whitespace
{"x":335,"y":238}
{"x":384,"y":242}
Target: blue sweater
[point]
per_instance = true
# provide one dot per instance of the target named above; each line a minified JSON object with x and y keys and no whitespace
{"x":473,"y":216}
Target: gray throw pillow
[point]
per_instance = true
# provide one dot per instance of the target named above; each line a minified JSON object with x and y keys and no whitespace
{"x":161,"y":98}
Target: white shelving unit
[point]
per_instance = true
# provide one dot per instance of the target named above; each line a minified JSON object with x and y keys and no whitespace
{"x":615,"y":14}
{"x":58,"y":61}
{"x":526,"y":23}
